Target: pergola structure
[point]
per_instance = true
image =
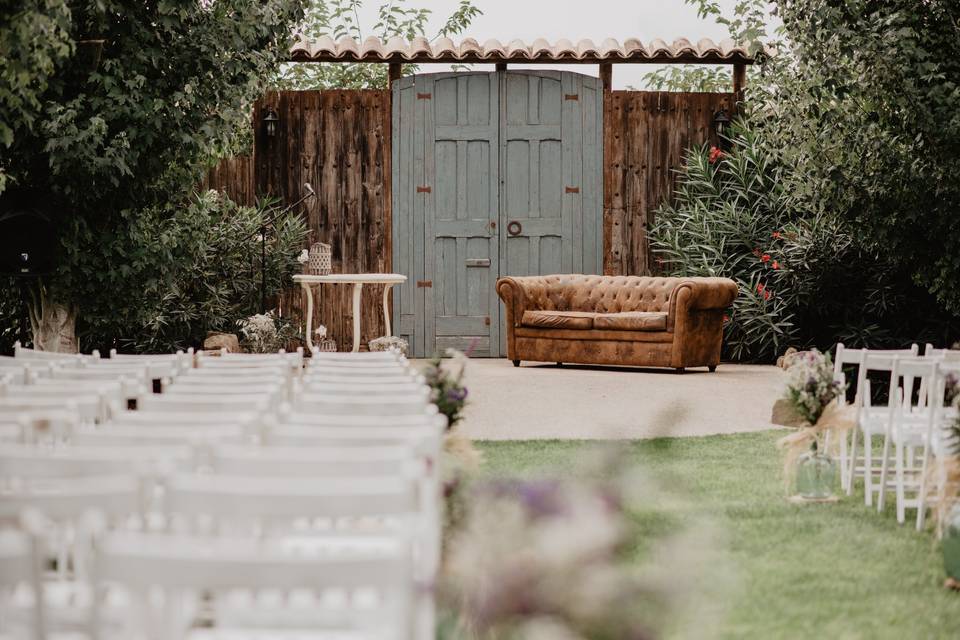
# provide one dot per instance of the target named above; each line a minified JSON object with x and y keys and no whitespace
{"x":397,"y":51}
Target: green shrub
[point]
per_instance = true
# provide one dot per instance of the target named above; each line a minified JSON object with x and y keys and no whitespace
{"x":211,"y":279}
{"x":806,"y":279}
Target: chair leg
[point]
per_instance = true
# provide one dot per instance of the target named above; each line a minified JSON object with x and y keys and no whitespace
{"x":900,"y":488}
{"x":851,"y":469}
{"x":516,"y":363}
{"x":844,"y":461}
{"x":922,"y":496}
{"x":868,"y":471}
{"x":711,"y":368}
{"x":884,"y":467}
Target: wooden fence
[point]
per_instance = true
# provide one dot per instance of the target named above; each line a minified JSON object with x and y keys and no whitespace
{"x":646,"y":135}
{"x":339,"y":142}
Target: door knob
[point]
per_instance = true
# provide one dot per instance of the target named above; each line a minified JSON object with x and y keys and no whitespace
{"x":514,"y":228}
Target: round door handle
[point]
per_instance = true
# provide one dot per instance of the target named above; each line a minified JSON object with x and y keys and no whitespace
{"x":514,"y":228}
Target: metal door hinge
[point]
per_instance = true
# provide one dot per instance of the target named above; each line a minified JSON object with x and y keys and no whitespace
{"x":423,"y":189}
{"x":421,"y":284}
{"x":571,"y":96}
{"x":572,"y":189}
{"x":478,"y":262}
{"x":424,"y":96}
{"x":486,"y":321}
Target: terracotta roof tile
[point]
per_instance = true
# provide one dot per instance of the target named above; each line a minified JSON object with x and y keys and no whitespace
{"x":346,"y":49}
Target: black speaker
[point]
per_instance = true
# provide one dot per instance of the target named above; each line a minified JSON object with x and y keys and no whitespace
{"x":28,"y":235}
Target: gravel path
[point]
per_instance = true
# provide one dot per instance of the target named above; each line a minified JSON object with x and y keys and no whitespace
{"x":540,"y":401}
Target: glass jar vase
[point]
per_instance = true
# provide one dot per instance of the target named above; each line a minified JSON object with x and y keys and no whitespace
{"x":951,"y":542}
{"x":816,"y":475}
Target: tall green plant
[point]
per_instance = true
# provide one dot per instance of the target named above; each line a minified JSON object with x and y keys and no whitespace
{"x":130,"y":136}
{"x":805,"y":278}
{"x":865,"y":106}
{"x":197,"y":269}
{"x":339,"y":18}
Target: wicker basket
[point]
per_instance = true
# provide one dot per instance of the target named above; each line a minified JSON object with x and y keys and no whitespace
{"x":326,"y":344}
{"x":321,"y":260}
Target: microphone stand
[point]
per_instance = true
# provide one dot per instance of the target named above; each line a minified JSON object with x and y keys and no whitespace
{"x":263,"y":242}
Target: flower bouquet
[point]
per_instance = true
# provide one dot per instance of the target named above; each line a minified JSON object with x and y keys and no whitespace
{"x":558,"y":557}
{"x":264,"y":333}
{"x":813,"y":402}
{"x":446,"y":385}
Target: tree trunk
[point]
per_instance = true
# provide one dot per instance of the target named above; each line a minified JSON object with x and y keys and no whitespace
{"x":54,"y":324}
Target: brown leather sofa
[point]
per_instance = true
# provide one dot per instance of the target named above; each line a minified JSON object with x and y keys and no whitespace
{"x":619,"y":320}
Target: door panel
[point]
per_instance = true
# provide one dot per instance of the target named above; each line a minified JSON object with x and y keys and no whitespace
{"x":551,"y":159}
{"x":464,"y":204}
{"x":473,"y":153}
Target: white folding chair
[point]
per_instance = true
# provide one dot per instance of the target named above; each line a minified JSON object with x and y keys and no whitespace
{"x":228,"y":403}
{"x":938,"y":443}
{"x":294,"y":416}
{"x":362,"y":404}
{"x":42,"y":427}
{"x":135,"y":382}
{"x":160,"y":420}
{"x":20,"y":569}
{"x":24,"y":462}
{"x":48,"y":356}
{"x":88,"y":409}
{"x":252,"y":460}
{"x":907,"y":431}
{"x":871,"y":420}
{"x":112,"y":396}
{"x":317,"y":356}
{"x":377,"y":579}
{"x":167,"y":435}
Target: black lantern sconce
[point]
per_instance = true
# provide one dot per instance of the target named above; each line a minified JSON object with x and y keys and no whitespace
{"x":721,"y":124}
{"x":270,"y":119}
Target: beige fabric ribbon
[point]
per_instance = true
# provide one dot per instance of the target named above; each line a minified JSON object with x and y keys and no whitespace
{"x":836,"y":421}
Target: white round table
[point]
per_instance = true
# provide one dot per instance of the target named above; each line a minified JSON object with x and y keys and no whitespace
{"x":308,"y":282}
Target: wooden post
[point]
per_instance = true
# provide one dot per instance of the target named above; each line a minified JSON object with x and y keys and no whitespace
{"x":606,"y":76}
{"x":501,"y":66}
{"x":739,"y":80}
{"x":394,"y":72}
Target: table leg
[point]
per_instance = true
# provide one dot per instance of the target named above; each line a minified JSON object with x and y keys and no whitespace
{"x":357,"y":289}
{"x":386,"y":309}
{"x":309,"y":334}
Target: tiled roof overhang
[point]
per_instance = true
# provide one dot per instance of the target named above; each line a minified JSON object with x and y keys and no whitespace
{"x":444,"y":50}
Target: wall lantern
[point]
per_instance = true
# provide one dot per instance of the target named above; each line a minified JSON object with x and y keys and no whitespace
{"x":270,"y":119}
{"x":720,"y":123}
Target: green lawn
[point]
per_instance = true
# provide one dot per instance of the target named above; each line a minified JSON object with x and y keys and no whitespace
{"x":831,"y":571}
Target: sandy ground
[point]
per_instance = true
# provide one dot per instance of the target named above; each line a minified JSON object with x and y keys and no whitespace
{"x":539,"y":401}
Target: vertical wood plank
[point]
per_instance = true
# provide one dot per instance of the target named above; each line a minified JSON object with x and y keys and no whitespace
{"x":645,"y":137}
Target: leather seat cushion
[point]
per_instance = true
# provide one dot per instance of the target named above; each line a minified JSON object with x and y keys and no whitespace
{"x":558,"y":319}
{"x":631,"y":321}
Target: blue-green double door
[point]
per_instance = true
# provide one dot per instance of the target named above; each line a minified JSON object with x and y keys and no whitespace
{"x":493,"y":174}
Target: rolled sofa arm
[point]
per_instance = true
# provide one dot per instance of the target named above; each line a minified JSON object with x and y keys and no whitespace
{"x":514,"y":297}
{"x":700,"y":294}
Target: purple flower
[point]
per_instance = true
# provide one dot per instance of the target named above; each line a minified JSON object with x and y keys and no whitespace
{"x":456,"y":395}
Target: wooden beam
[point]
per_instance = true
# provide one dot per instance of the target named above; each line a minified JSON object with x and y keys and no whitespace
{"x":394,"y":72}
{"x":501,"y":66}
{"x":739,"y":80}
{"x":606,"y":76}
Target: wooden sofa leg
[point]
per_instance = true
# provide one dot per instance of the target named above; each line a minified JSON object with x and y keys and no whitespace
{"x":559,"y":364}
{"x":516,"y":363}
{"x":712,"y":368}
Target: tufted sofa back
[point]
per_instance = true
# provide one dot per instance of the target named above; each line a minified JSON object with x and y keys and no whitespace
{"x":599,"y":294}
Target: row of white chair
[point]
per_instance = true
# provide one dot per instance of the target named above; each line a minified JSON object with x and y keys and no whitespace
{"x":908,"y":421}
{"x":317,"y":448}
